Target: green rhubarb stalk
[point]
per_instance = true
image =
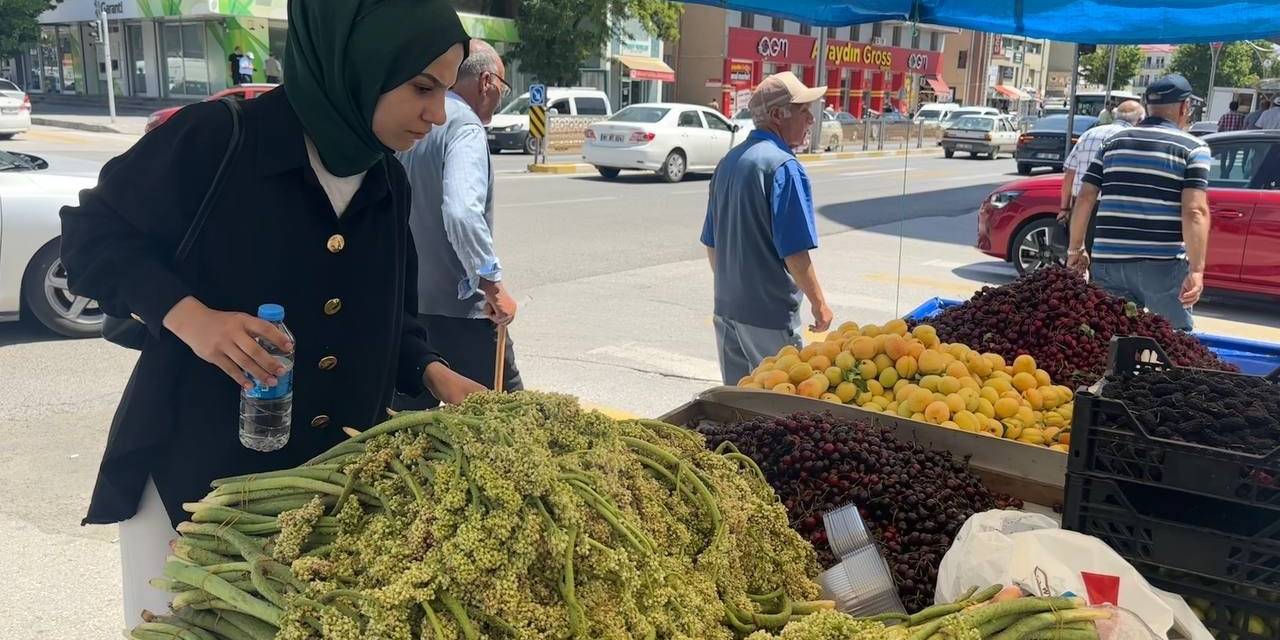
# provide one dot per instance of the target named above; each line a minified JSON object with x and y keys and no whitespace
{"x":241,"y":601}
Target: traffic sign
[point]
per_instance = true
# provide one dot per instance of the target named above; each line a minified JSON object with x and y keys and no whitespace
{"x":537,"y":95}
{"x":537,"y":119}
{"x":1216,"y":45}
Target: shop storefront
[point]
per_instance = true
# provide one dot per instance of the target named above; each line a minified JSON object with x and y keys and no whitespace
{"x":861,"y":76}
{"x":163,"y":49}
{"x":636,"y":72}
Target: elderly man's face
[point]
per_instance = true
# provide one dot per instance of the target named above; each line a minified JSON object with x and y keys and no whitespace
{"x":793,"y":123}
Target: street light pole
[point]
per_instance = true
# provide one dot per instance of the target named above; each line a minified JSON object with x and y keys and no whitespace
{"x":1071,"y":104}
{"x":104,"y":30}
{"x":1215,"y":48}
{"x":820,"y":79}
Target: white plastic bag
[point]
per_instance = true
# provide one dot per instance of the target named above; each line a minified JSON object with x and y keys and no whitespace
{"x":1031,"y":551}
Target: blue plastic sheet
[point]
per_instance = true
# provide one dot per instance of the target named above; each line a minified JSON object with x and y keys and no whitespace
{"x":1090,"y":21}
{"x":1252,"y":356}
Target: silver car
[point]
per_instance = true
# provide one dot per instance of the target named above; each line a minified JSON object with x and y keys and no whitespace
{"x":15,"y":110}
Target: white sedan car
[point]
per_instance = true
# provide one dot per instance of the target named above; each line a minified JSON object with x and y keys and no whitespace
{"x":667,"y":138}
{"x":15,"y":110}
{"x":33,"y":282}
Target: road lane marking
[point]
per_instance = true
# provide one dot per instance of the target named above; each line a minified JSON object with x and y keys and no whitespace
{"x":877,"y":171}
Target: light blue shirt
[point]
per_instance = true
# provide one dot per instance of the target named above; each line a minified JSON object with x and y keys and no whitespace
{"x":452,"y":213}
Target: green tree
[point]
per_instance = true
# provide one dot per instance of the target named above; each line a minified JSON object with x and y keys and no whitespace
{"x":558,"y":36}
{"x":18,"y":26}
{"x":1238,"y":65}
{"x":1095,"y":65}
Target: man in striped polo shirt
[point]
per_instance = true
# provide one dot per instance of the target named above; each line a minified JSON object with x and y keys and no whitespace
{"x":1152,"y":221}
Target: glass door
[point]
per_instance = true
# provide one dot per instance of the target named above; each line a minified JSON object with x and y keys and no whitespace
{"x":137,"y":59}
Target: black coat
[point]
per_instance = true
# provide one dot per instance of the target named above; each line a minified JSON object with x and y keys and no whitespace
{"x":348,"y":286}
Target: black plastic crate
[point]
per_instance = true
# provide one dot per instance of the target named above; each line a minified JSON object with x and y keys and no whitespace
{"x":1106,"y":439}
{"x":1229,"y":611}
{"x":1159,"y":528}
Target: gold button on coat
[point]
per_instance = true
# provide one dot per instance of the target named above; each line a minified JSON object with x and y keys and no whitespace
{"x":336,"y":243}
{"x":333,"y":306}
{"x":328,"y":362}
{"x":320,"y":421}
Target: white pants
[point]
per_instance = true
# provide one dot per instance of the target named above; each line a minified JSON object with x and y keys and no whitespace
{"x":144,"y":547}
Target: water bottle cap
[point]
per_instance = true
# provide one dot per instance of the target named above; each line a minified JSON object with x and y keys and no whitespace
{"x":271,"y":312}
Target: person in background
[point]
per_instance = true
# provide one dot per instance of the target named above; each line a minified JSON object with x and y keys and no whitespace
{"x":461,"y":296}
{"x":1232,"y":120}
{"x":1269,"y":119}
{"x":760,"y":229}
{"x":1251,"y":120}
{"x":233,"y":63}
{"x":318,"y":222}
{"x":273,"y":69}
{"x":1128,"y":113}
{"x":246,"y":68}
{"x":1149,"y":183}
{"x":714,"y":104}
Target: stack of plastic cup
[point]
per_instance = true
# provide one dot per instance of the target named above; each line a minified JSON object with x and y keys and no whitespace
{"x":845,"y":531}
{"x":861,"y":584}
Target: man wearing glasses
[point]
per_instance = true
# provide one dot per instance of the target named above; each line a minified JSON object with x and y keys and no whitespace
{"x":461,"y":296}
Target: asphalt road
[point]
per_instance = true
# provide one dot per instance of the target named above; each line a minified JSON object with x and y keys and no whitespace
{"x":615,"y":308}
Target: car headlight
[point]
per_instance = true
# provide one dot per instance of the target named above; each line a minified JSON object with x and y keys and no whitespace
{"x":1001,"y":199}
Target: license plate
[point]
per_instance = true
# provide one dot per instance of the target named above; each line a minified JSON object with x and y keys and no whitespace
{"x":1046,"y":156}
{"x":493,"y":137}
{"x":9,"y":111}
{"x":964,"y":146}
{"x":611,"y":137}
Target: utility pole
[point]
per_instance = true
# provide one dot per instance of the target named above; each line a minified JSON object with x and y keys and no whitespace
{"x":105,"y":33}
{"x":1071,"y":103}
{"x":820,"y":79}
{"x":1215,"y":48}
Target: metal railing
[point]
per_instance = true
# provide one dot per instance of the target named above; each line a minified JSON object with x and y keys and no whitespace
{"x":874,"y":134}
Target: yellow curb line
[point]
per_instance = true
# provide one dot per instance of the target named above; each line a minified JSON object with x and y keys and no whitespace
{"x":570,"y":167}
{"x":616,"y":414}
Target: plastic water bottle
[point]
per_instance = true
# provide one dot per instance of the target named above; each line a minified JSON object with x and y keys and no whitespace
{"x":266,"y":413}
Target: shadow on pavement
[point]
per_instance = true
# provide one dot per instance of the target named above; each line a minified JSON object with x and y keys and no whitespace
{"x":14,"y":333}
{"x":898,"y":212}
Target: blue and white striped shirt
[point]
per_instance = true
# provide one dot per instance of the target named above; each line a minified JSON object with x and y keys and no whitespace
{"x":1141,"y":173}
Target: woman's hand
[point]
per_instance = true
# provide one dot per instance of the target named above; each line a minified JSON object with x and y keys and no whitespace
{"x":227,"y":340}
{"x":449,"y":386}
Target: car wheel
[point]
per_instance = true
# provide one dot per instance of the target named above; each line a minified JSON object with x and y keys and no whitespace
{"x":1024,"y":169}
{"x":993,"y":154}
{"x":495,"y":150}
{"x":673,"y":168}
{"x":609,"y":173}
{"x":948,"y":153}
{"x":46,"y":296}
{"x":1032,"y":248}
{"x":7,"y":136}
{"x":530,"y":144}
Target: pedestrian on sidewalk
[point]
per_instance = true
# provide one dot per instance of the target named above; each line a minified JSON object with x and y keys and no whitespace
{"x":759,"y":230}
{"x":1251,"y":120}
{"x":1269,"y":119}
{"x":1149,"y":184}
{"x":273,"y":69}
{"x":317,"y":221}
{"x":246,"y":68}
{"x":1127,"y":114}
{"x":233,"y":62}
{"x":462,"y":299}
{"x":1232,"y":120}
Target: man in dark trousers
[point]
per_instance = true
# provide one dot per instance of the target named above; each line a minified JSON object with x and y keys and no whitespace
{"x":233,"y":62}
{"x":461,"y":296}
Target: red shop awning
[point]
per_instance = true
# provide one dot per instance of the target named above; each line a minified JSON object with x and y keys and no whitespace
{"x":939,"y":85}
{"x":1009,"y":92}
{"x":642,"y":68}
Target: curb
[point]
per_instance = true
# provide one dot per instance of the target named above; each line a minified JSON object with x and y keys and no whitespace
{"x":565,"y":168}
{"x":81,"y":126}
{"x":561,"y":168}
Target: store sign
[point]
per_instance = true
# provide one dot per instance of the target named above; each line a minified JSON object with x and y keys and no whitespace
{"x":786,"y":48}
{"x":740,"y":73}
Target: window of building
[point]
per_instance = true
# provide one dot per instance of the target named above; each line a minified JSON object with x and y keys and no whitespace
{"x":915,"y":38}
{"x":831,"y":33}
{"x":935,"y":41}
{"x":855,"y":32}
{"x":962,"y":59}
{"x":747,"y":20}
{"x":186,"y":66}
{"x":806,"y":29}
{"x":877,"y":30}
{"x":897,"y":36}
{"x":779,"y":24}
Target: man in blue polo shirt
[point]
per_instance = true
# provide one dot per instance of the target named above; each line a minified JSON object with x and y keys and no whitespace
{"x":759,"y":231}
{"x":1152,"y":221}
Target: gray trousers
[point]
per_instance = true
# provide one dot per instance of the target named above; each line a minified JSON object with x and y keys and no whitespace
{"x":743,"y":346}
{"x":1154,"y":284}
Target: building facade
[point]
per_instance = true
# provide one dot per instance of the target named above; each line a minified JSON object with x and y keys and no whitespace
{"x":1156,"y":59}
{"x":632,"y":69}
{"x":964,"y":66}
{"x":889,"y":66}
{"x":1061,"y":67}
{"x":171,"y":48}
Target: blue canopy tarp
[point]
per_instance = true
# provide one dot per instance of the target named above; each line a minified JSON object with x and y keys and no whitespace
{"x":1090,"y":21}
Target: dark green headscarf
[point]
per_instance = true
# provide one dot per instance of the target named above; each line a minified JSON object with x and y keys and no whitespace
{"x":344,"y":54}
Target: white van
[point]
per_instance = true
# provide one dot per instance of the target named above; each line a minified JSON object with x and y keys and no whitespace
{"x":935,"y":112}
{"x":510,"y":126}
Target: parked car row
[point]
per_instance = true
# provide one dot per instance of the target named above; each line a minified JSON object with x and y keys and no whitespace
{"x":15,"y":110}
{"x":1016,"y":221}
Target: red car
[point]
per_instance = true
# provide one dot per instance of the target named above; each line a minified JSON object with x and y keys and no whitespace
{"x":1016,"y":221}
{"x":240,"y":91}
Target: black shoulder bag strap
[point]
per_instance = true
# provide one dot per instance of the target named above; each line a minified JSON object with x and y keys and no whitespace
{"x":130,"y":332}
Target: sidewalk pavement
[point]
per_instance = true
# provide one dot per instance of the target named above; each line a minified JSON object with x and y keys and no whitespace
{"x":928,"y":150}
{"x":129,"y":125}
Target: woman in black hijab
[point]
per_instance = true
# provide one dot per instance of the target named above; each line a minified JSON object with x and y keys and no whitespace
{"x":316,"y":222}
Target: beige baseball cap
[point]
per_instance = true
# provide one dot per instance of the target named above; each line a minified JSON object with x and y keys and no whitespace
{"x":781,"y":89}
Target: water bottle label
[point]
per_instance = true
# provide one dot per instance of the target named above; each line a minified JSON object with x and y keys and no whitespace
{"x":262,"y":392}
